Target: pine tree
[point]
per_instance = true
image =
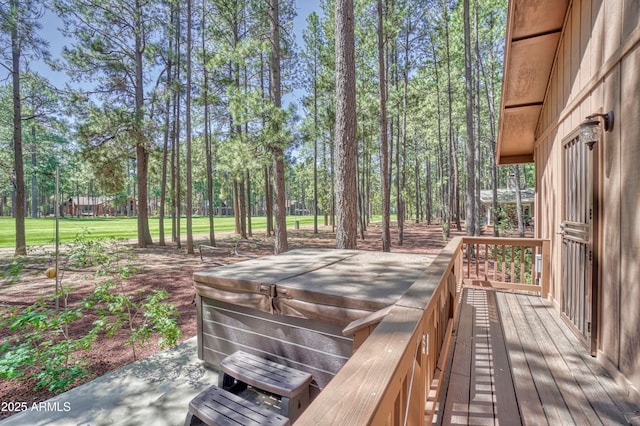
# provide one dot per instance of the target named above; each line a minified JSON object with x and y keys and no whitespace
{"x":19,"y":41}
{"x":346,"y":146}
{"x":110,"y":48}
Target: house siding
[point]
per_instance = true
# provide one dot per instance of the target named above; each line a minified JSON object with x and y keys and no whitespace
{"x":597,"y":69}
{"x":630,"y":218}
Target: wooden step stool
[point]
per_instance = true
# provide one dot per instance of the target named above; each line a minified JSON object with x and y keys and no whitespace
{"x":292,"y":385}
{"x":220,"y":406}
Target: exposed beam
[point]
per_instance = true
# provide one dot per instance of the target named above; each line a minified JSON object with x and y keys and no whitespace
{"x":515,"y":159}
{"x":535,"y":35}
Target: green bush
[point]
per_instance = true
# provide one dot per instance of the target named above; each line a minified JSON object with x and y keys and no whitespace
{"x":12,"y":272}
{"x":140,"y":316}
{"x":41,"y":346}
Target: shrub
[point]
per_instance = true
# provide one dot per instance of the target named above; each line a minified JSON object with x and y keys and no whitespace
{"x":41,"y":347}
{"x":140,"y":316}
{"x":12,"y":272}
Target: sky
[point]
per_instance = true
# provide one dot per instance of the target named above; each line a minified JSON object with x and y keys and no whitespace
{"x":51,"y":24}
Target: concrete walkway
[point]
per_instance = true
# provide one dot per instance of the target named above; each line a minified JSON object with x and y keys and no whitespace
{"x":153,"y":391}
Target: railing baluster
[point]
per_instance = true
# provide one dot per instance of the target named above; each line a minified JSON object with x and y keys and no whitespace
{"x":468,"y":247}
{"x":523,"y":255}
{"x":504,"y":263}
{"x":495,"y":262}
{"x":486,"y":260}
{"x":512,"y":278}
{"x":534,"y":252}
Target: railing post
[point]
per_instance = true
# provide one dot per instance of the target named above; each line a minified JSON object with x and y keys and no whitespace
{"x":459,"y":266}
{"x":546,"y":268}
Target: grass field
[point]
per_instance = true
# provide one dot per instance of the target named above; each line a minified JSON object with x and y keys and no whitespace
{"x":42,"y":231}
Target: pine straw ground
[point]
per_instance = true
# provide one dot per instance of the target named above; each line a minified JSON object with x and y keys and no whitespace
{"x":166,"y":268}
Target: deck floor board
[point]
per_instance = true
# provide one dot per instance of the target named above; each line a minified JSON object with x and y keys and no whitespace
{"x":457,"y":408}
{"x":522,"y":365}
{"x":506,"y":408}
{"x":594,"y":391}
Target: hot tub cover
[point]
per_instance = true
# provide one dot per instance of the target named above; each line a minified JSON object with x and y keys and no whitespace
{"x":333,"y":286}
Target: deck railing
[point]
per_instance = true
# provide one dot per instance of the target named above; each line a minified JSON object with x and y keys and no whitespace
{"x":510,"y":263}
{"x":394,"y":375}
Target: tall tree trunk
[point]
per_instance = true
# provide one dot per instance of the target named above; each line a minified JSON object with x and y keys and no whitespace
{"x":166,"y":132}
{"x":332,"y":162}
{"x":453,"y":161}
{"x":34,"y":180}
{"x":242,"y":204}
{"x":384,"y":148}
{"x":268,"y":187}
{"x":246,"y":195}
{"x":235,"y":131}
{"x":441,"y":160}
{"x":478,"y":127}
{"x":405,"y":105}
{"x":236,"y":207}
{"x":394,"y":129}
{"x":207,"y":132}
{"x":172,"y":138}
{"x":346,"y":144}
{"x":277,"y":154}
{"x":18,"y":165}
{"x":268,"y":200}
{"x":142,"y":156}
{"x":429,"y":191}
{"x":248,"y":179}
{"x":176,"y":142}
{"x":325,"y":181}
{"x":163,"y":180}
{"x":188,"y":136}
{"x":178,"y":174}
{"x":471,"y":151}
{"x":315,"y":139}
{"x":489,"y":85}
{"x":416,"y":172}
{"x":362,"y":182}
{"x":368,"y":186}
{"x":361,"y":194}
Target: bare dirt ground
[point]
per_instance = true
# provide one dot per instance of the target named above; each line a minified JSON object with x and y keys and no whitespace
{"x":171,"y":269}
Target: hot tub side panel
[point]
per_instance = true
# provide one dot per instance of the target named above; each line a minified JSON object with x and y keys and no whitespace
{"x":313,"y":346}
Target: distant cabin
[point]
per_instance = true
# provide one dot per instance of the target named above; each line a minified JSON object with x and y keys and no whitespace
{"x":507,"y":203}
{"x":96,"y":206}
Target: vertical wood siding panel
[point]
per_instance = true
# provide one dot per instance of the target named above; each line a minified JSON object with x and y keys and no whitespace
{"x":629,"y":128}
{"x":610,"y":214}
{"x":558,"y":84}
{"x":631,"y":17}
{"x":596,"y":48}
{"x":613,"y":32}
{"x":558,"y":205}
{"x":566,"y":60}
{"x":557,"y":89}
{"x":586,"y":42}
{"x":576,"y":52}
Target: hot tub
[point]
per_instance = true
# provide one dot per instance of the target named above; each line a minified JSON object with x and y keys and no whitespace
{"x":292,"y":307}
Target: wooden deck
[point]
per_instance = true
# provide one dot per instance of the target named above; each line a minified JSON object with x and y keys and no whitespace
{"x":514,"y":361}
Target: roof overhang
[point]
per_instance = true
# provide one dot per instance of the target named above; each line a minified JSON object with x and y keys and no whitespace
{"x":533,"y":33}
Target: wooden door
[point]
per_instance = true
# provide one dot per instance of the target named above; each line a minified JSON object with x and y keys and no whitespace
{"x":578,"y":242}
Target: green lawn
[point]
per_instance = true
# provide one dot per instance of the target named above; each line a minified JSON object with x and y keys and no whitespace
{"x":42,"y":231}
